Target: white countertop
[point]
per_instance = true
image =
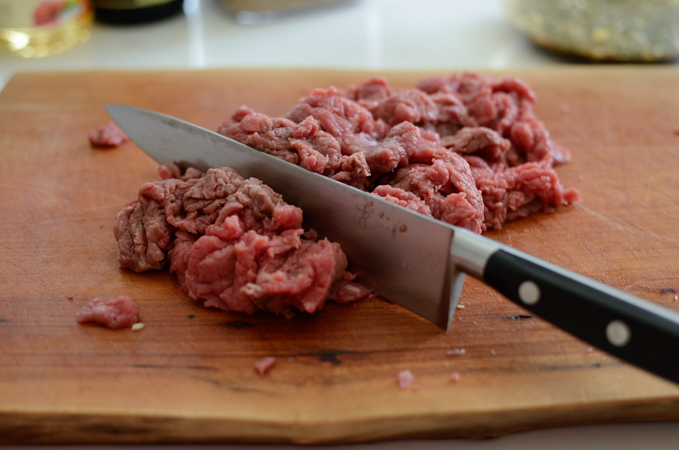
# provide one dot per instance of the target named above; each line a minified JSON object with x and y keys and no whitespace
{"x":367,"y":34}
{"x":374,"y":34}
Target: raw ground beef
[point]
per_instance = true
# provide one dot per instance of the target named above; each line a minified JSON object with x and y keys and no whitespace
{"x":108,"y":136}
{"x":466,"y":149}
{"x":233,"y":244}
{"x":121,"y":312}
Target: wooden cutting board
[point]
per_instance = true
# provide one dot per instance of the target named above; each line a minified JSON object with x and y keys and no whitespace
{"x":188,"y":375}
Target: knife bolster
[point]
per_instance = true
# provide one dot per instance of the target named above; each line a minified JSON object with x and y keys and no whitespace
{"x":470,"y":252}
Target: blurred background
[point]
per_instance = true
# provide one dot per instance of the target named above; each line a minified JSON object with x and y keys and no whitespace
{"x":354,"y":34}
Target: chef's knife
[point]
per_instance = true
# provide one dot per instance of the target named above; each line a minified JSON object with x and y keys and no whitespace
{"x":419,"y":262}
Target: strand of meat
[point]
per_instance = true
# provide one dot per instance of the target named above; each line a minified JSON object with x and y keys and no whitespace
{"x":121,"y":312}
{"x":107,"y":136}
{"x":466,"y":149}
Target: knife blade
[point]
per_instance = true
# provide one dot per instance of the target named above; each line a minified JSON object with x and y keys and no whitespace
{"x":419,"y":262}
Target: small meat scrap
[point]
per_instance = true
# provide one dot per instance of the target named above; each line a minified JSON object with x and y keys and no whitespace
{"x":264,"y":365}
{"x":405,"y":379}
{"x":467,"y":149}
{"x":108,"y":136}
{"x":455,"y":377}
{"x":118,"y":313}
{"x":233,"y":244}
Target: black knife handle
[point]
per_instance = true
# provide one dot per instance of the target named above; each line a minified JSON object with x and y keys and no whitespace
{"x":632,"y":329}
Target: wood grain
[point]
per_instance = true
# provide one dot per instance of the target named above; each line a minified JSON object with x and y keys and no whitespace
{"x":188,"y":375}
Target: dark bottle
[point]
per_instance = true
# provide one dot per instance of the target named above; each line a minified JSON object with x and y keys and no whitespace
{"x":124,"y":12}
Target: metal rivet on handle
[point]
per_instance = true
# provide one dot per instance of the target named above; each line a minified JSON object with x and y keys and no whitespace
{"x":529,"y":293}
{"x":618,"y":333}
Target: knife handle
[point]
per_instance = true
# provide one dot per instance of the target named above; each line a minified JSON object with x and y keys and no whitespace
{"x":632,"y":329}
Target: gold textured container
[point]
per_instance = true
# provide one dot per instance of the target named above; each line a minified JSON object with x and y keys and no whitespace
{"x":39,"y":28}
{"x":601,"y":30}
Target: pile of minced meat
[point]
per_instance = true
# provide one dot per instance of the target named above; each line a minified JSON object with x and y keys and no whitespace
{"x":467,"y":150}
